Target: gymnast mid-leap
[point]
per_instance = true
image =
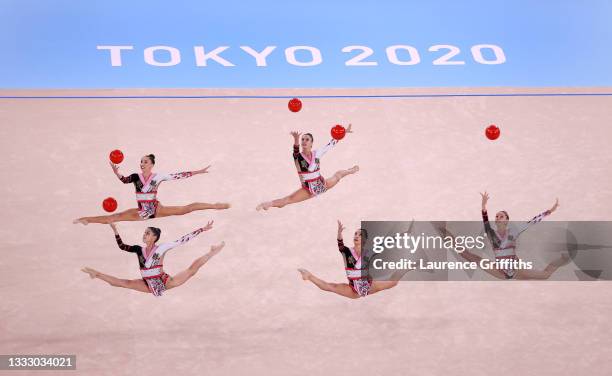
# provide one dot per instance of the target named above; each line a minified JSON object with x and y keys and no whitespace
{"x":360,"y":284}
{"x":504,"y":243}
{"x":307,"y":163}
{"x":150,"y":260}
{"x":146,"y":184}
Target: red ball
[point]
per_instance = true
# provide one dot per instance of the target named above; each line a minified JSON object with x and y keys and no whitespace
{"x":295,"y":105}
{"x":109,"y":204}
{"x":492,"y":132}
{"x":338,"y":132}
{"x":116,"y":156}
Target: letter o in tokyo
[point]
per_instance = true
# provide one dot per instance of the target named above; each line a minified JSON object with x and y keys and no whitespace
{"x":149,"y":56}
{"x":315,"y":54}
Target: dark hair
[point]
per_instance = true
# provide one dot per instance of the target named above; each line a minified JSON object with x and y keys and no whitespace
{"x":156,"y":232}
{"x":311,"y":137}
{"x":151,"y":158}
{"x":506,"y":213}
{"x":364,"y":233}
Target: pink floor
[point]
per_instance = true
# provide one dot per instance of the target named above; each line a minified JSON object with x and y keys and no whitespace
{"x":247,"y":311}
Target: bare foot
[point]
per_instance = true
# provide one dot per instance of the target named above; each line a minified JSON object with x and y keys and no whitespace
{"x":216,"y":248}
{"x":221,"y":205}
{"x":353,"y":169}
{"x":264,"y":206}
{"x":92,"y":273}
{"x":305,"y":274}
{"x":82,"y":221}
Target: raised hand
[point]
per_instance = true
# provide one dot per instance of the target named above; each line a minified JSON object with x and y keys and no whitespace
{"x":485,"y":198}
{"x":340,"y":229}
{"x":208,"y":226}
{"x":349,"y":128}
{"x":555,"y":206}
{"x":115,"y":168}
{"x":203,"y":171}
{"x":296,"y":136}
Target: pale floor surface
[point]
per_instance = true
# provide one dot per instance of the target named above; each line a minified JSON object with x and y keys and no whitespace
{"x":247,"y":311}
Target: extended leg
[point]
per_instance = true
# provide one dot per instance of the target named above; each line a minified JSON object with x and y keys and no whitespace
{"x":297,"y":196}
{"x":342,"y":289}
{"x":166,"y":211}
{"x":469,"y":256}
{"x":335,"y":178}
{"x":132,"y":284}
{"x":127,"y":215}
{"x":392,"y":282}
{"x":185,"y":275}
{"x":378,"y":286}
{"x":543,"y":274}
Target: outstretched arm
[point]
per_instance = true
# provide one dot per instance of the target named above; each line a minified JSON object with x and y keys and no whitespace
{"x":185,"y":238}
{"x":341,"y":247}
{"x":344,"y":250}
{"x":296,"y":144}
{"x":331,"y":144}
{"x":184,"y":175}
{"x":340,"y":229}
{"x":125,"y":247}
{"x":115,"y":170}
{"x":165,"y":247}
{"x":124,"y":179}
{"x":538,"y":218}
{"x":322,"y":151}
{"x":485,"y":198}
{"x":485,"y":217}
{"x":201,"y":171}
{"x":485,"y":220}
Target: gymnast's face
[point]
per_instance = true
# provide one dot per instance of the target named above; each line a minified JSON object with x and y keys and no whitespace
{"x":145,"y":164}
{"x":357,"y":237}
{"x":306,"y":142}
{"x":149,"y":237}
{"x":501,"y":218}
